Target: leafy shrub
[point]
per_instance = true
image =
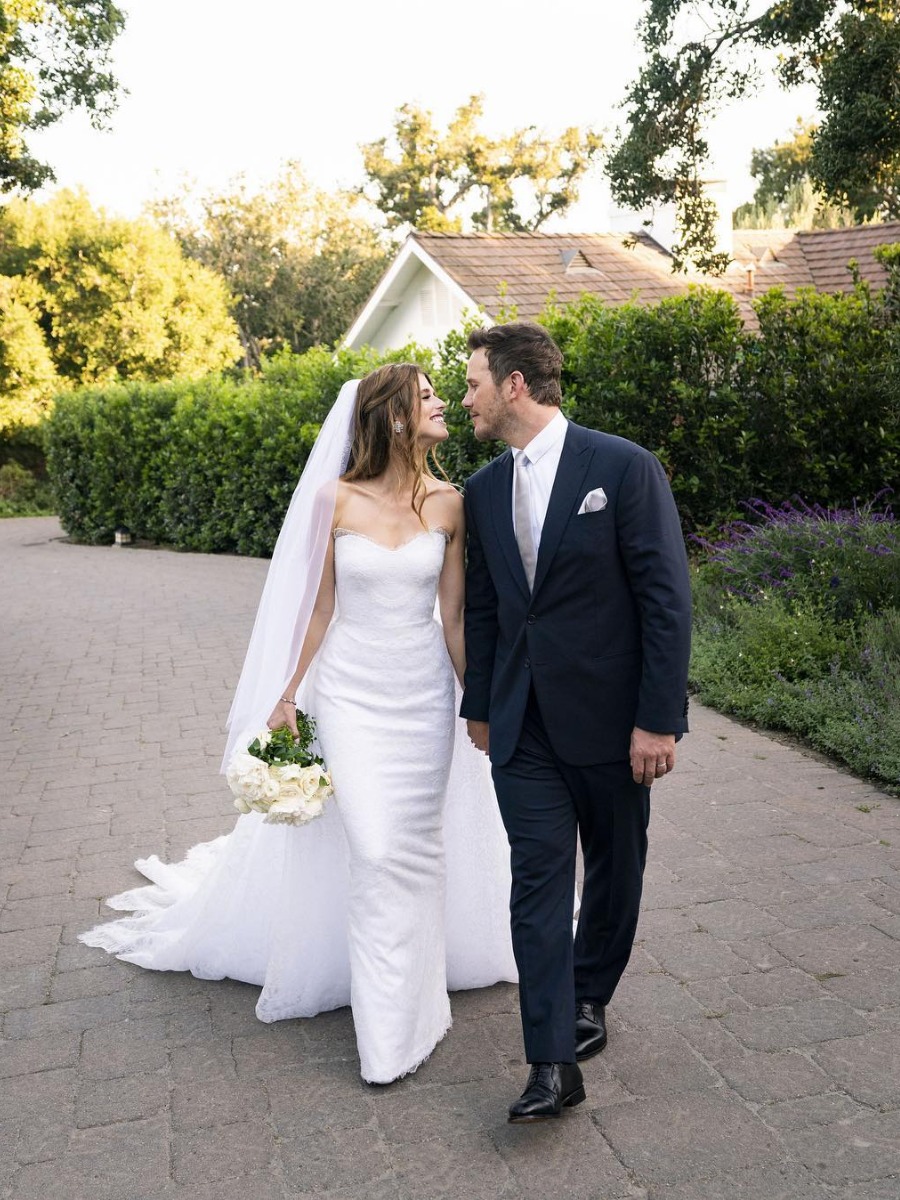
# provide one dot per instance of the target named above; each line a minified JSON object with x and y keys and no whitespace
{"x":667,"y":376}
{"x":797,"y":627}
{"x":104,"y":455}
{"x":753,"y":647}
{"x":839,"y":560}
{"x":846,"y":707}
{"x":22,"y":494}
{"x":823,"y":423}
{"x":807,"y":405}
{"x":231,"y":462}
{"x":25,"y":445}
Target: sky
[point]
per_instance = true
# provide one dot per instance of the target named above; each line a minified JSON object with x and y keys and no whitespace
{"x":217,"y":88}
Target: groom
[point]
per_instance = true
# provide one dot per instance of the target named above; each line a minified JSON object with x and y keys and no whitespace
{"x":577,"y":644}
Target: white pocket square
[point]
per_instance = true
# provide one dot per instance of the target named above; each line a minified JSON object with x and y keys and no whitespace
{"x":593,"y":501}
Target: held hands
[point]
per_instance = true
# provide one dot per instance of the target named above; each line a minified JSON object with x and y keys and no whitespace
{"x":652,"y":755}
{"x":284,"y":713}
{"x":479,"y":735}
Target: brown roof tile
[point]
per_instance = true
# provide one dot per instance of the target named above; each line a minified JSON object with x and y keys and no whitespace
{"x":522,"y":269}
{"x":501,"y":270}
{"x":808,"y":258}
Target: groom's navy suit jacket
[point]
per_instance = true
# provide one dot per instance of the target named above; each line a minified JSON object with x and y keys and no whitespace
{"x":604,"y":638}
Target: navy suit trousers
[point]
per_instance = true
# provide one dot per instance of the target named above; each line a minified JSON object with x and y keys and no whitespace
{"x":546,"y":805}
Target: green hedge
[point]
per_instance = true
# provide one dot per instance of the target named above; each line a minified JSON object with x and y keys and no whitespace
{"x":667,"y":376}
{"x":808,"y":407}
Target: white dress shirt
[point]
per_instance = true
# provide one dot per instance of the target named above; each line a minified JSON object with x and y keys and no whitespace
{"x":543,"y":453}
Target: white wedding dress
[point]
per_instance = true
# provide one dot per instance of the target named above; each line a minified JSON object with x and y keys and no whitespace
{"x":392,"y":896}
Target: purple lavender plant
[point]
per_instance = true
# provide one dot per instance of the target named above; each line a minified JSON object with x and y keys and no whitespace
{"x":845,"y":561}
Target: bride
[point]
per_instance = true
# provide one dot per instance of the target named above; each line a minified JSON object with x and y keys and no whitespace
{"x":400,"y":890}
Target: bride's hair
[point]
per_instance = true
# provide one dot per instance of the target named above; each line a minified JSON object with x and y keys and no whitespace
{"x":387,"y":398}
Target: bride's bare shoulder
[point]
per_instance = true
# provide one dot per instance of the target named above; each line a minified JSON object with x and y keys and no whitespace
{"x":343,"y":493}
{"x":440,"y":489}
{"x":445,"y":506}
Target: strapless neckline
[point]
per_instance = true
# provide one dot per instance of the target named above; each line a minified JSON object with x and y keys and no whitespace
{"x":341,"y":531}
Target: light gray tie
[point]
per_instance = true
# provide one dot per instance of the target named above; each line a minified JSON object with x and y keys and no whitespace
{"x":522,"y":510}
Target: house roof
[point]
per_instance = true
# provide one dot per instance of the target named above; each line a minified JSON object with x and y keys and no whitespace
{"x":795,"y":258}
{"x":498,"y":271}
{"x":501,"y":270}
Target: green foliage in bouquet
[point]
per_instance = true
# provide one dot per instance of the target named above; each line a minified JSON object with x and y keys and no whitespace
{"x":283,"y":749}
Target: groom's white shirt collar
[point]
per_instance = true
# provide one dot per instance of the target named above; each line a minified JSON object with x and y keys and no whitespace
{"x":543,"y":453}
{"x":549,"y":439}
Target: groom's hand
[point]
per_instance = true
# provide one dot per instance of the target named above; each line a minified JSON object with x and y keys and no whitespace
{"x":652,"y":755}
{"x":479,"y":735}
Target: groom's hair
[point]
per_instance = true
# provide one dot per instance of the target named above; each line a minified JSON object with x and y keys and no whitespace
{"x":522,"y":346}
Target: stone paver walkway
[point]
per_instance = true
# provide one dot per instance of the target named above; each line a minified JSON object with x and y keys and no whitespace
{"x":754,"y":1043}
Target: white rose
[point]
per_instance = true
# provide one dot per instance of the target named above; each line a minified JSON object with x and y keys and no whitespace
{"x":315,"y":807}
{"x":239,"y":763}
{"x":326,"y":788}
{"x":287,"y":772}
{"x":309,"y":781}
{"x":286,"y":806}
{"x":246,"y":774}
{"x":290,"y":808}
{"x":251,"y":783}
{"x":264,"y":737}
{"x":289,"y":792}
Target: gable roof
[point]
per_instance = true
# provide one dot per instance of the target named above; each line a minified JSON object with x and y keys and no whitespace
{"x":500,"y":270}
{"x":497,"y":271}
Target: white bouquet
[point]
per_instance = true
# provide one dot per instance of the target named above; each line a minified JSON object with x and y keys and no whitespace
{"x":280,"y":776}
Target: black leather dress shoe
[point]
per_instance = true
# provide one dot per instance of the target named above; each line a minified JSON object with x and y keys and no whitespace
{"x":590,"y":1029}
{"x":551,"y":1087}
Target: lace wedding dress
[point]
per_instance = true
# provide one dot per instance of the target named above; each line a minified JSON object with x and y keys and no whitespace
{"x":393,"y":895}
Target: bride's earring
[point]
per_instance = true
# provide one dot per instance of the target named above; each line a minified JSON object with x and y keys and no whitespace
{"x":399,"y":427}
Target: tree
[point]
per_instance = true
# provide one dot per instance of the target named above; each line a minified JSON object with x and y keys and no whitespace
{"x":298,"y":262}
{"x":423,"y":178}
{"x":785,"y":197}
{"x":86,"y":298}
{"x":28,"y":376}
{"x":54,"y":57}
{"x":701,"y":55}
{"x":777,"y":168}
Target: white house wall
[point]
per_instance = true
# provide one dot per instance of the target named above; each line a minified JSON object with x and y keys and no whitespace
{"x":427,"y":311}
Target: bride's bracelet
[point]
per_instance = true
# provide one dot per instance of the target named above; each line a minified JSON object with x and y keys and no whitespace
{"x":284,"y":700}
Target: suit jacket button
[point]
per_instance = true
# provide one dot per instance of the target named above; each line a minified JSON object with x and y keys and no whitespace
{"x":527,"y":663}
{"x":531,"y":618}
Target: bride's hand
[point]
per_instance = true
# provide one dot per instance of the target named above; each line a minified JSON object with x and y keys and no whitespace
{"x":284,"y":713}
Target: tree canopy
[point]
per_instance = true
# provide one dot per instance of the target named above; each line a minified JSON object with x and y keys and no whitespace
{"x":778,"y":167}
{"x":54,"y":56}
{"x":298,"y":261}
{"x":86,"y":298}
{"x":425,"y":178}
{"x":702,"y":55}
{"x":785,"y":196}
